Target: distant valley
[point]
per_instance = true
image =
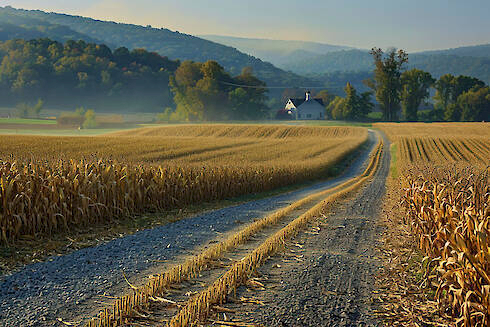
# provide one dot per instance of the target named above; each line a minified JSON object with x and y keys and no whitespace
{"x":320,"y":60}
{"x":278,"y":52}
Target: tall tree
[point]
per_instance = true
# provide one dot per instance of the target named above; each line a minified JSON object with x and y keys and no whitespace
{"x":252,"y":99}
{"x":365,"y":104}
{"x":386,"y":82}
{"x":415,"y":89}
{"x":444,"y":87}
{"x":463,"y":84}
{"x":475,"y":104}
{"x":351,"y":102}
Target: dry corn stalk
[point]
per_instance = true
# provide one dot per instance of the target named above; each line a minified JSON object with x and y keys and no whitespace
{"x":448,"y":208}
{"x":198,"y":308}
{"x":54,"y":194}
{"x":124,"y":306}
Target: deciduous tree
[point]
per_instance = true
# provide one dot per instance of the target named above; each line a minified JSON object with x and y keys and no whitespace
{"x":448,"y":90}
{"x":415,"y":89}
{"x":386,"y":82}
{"x":475,"y":104}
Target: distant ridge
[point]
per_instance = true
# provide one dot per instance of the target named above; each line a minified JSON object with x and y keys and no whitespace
{"x":31,"y":23}
{"x":275,"y":51}
{"x":437,"y":63}
{"x":482,"y":50}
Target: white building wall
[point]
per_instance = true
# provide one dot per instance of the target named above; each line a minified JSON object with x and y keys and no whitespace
{"x":310,"y":110}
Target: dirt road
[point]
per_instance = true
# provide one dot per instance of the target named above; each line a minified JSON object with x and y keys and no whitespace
{"x":326,"y":275}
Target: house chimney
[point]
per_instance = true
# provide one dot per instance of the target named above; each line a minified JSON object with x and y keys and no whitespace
{"x":308,"y":95}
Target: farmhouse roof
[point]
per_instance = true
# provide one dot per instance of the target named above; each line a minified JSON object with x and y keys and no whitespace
{"x":299,"y":101}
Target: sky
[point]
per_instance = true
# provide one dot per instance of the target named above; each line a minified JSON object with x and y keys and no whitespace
{"x":413,"y":25}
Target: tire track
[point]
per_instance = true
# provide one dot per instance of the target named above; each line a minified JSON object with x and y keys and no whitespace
{"x":324,"y":279}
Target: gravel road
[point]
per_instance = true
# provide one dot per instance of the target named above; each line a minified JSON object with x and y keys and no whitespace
{"x":39,"y":293}
{"x":333,"y":283}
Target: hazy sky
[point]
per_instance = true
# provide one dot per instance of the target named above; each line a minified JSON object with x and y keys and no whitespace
{"x":409,"y":24}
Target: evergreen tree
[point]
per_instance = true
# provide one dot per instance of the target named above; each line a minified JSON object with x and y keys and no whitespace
{"x":352,"y":107}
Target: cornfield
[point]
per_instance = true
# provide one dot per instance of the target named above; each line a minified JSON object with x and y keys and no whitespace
{"x":199,"y":306}
{"x":440,"y":143}
{"x":81,"y":181}
{"x":447,"y":203}
{"x":448,"y":208}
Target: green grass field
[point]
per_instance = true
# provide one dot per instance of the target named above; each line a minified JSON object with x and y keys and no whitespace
{"x":60,"y":132}
{"x":24,"y":121}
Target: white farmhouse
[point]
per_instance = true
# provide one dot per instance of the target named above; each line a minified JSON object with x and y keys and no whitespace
{"x":305,"y":109}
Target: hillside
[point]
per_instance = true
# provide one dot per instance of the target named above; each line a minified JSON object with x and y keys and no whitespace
{"x":174,"y":45}
{"x":275,"y":51}
{"x":482,"y":50}
{"x":15,"y":27}
{"x":361,"y":61}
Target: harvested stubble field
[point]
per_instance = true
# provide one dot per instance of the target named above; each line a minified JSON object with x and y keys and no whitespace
{"x":440,"y":143}
{"x":129,"y":307}
{"x":445,"y":204}
{"x":50,"y":184}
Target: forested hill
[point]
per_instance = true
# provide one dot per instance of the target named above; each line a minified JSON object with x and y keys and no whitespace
{"x":78,"y":73}
{"x":482,"y":50}
{"x":173,"y":45}
{"x":275,"y":51}
{"x":35,"y":29}
{"x":361,"y":61}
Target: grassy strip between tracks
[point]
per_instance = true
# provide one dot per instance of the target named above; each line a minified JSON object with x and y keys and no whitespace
{"x":199,"y":306}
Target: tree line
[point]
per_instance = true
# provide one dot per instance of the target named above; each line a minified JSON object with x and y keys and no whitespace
{"x":78,"y":73}
{"x":401,"y":93}
{"x":83,"y":73}
{"x":30,"y":24}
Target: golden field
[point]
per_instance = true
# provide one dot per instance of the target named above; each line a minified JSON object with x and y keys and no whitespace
{"x":121,"y":312}
{"x":440,"y":142}
{"x":445,"y":178}
{"x":49,"y":184}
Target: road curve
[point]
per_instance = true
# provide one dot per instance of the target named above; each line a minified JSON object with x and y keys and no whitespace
{"x":40,"y":292}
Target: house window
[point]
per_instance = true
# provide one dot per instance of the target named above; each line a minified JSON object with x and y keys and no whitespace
{"x":321,"y":115}
{"x":299,"y":115}
{"x":308,"y":116}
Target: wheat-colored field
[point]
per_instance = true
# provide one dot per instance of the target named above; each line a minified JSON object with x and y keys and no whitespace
{"x":50,"y":184}
{"x":440,"y":142}
{"x":199,"y":306}
{"x":446,"y":180}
